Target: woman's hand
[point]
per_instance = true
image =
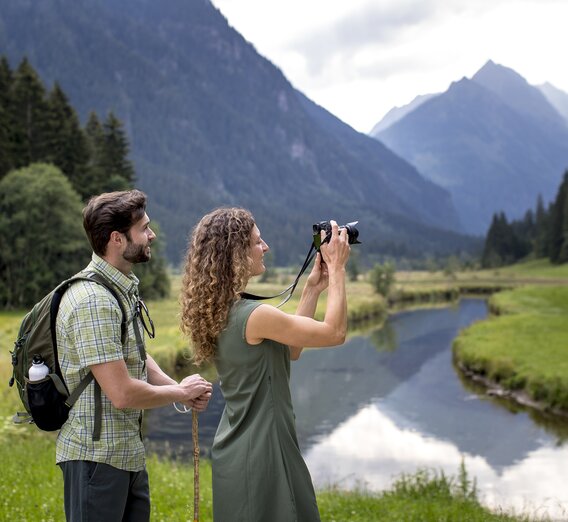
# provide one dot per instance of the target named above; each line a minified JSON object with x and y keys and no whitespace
{"x":318,"y":278}
{"x":336,"y":252}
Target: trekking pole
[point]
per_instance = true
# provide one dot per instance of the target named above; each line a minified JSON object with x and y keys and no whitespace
{"x":194,"y":429}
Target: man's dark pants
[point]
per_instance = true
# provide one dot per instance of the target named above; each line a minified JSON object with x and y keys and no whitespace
{"x":96,"y":492}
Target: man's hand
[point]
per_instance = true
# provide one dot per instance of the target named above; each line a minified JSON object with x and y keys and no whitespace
{"x":196,"y":387}
{"x":200,"y":404}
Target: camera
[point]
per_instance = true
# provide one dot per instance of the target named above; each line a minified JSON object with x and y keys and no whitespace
{"x":350,"y":228}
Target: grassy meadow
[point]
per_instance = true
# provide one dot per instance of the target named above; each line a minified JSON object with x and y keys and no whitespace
{"x":523,"y":347}
{"x":31,"y":485}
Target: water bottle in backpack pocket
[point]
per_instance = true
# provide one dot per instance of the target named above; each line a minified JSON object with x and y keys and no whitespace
{"x":41,"y":385}
{"x":46,"y":402}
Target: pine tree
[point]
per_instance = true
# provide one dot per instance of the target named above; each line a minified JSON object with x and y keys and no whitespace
{"x":117,"y":168}
{"x":558,"y":229}
{"x":95,"y":177}
{"x":5,"y":124}
{"x":66,"y":142}
{"x":503,"y":245}
{"x":490,"y":257}
{"x":563,"y":256}
{"x":29,"y":117}
{"x":541,"y":233}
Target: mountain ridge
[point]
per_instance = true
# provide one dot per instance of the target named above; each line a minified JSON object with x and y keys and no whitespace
{"x":211,"y":123}
{"x":490,"y":150}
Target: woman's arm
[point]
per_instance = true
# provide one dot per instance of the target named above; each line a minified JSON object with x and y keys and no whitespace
{"x":316,"y":283}
{"x":268,"y":322}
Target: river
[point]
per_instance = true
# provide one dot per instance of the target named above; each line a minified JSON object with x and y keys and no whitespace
{"x":391,"y":402}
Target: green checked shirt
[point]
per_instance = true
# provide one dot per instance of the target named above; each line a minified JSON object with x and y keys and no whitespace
{"x":88,"y":333}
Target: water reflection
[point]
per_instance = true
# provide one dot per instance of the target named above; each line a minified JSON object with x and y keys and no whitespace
{"x":391,"y":402}
{"x":371,"y":448}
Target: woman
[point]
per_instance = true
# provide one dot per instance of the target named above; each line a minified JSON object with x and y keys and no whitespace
{"x":258,"y":471}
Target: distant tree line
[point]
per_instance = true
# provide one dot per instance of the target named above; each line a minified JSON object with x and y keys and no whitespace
{"x":49,"y":167}
{"x":37,"y":126}
{"x":540,"y":233}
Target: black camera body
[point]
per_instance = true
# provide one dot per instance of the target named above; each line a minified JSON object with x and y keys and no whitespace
{"x":350,"y":228}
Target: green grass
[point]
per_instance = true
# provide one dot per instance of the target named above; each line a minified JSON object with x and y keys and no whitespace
{"x":426,"y":495}
{"x":541,"y":268}
{"x":523,"y":346}
{"x":31,"y":486}
{"x":31,"y":490}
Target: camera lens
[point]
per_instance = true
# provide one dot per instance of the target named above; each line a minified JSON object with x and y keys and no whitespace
{"x":352,"y":232}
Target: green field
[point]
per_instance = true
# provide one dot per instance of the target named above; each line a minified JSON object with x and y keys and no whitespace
{"x":523,"y":346}
{"x":31,"y":484}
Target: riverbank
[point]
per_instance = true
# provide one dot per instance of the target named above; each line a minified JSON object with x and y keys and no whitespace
{"x":520,"y":351}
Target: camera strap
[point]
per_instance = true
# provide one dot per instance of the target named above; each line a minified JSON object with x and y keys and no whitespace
{"x":311,"y":254}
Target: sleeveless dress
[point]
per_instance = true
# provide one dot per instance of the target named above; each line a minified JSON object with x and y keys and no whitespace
{"x":259,"y":474}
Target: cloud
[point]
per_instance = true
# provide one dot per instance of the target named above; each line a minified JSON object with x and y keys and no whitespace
{"x":370,"y":450}
{"x":367,"y":26}
{"x":360,"y":58}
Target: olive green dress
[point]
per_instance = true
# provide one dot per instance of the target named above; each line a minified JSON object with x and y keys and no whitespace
{"x":259,"y":474}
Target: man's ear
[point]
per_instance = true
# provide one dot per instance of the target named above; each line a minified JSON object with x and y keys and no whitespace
{"x":116,"y":238}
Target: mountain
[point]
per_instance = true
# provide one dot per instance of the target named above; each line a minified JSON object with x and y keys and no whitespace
{"x":516,"y":92}
{"x":556,"y":97}
{"x":495,"y":142}
{"x":212,"y":123}
{"x":396,"y":113}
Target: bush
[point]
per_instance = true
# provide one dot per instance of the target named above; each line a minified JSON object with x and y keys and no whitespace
{"x":41,"y":235}
{"x":382,"y":278}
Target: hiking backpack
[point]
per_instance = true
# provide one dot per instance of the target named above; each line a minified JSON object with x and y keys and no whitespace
{"x":48,"y":401}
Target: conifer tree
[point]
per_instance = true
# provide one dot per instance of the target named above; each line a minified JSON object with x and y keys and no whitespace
{"x":503,"y":245}
{"x":29,"y":109}
{"x":490,"y":257}
{"x":558,"y":229}
{"x":66,"y":142}
{"x":541,"y":233}
{"x":117,"y":168}
{"x":563,"y":256}
{"x":95,"y":179}
{"x":5,"y":104}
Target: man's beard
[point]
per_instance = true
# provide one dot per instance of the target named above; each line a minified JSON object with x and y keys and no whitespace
{"x":135,"y":253}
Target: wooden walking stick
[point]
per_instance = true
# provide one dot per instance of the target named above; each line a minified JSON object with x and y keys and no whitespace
{"x":194,"y":429}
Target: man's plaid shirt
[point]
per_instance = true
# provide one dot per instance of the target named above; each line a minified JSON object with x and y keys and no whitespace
{"x":89,"y":332}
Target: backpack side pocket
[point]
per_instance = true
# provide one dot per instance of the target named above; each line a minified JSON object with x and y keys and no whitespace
{"x":47,"y":403}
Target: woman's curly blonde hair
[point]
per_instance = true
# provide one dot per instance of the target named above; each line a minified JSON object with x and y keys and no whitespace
{"x":217,"y":269}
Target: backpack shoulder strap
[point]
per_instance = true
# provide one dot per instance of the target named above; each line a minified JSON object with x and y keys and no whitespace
{"x":55,"y":302}
{"x":93,"y":277}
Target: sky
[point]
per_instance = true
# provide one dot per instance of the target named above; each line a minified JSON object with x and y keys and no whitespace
{"x":360,"y":58}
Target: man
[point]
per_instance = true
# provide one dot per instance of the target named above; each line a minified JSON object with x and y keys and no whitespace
{"x":103,"y":461}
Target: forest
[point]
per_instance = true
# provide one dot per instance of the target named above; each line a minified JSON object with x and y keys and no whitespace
{"x":540,"y":233}
{"x":49,"y":167}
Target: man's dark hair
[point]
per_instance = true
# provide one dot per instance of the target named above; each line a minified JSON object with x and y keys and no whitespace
{"x":112,"y":211}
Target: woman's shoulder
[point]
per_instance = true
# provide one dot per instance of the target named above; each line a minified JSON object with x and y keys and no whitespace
{"x":243,"y":308}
